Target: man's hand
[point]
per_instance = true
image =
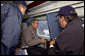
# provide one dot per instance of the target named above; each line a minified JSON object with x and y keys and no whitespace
{"x":43,"y":40}
{"x":52,"y":42}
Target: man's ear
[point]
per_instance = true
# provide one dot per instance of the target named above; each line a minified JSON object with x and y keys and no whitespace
{"x":32,"y":23}
{"x":63,"y":18}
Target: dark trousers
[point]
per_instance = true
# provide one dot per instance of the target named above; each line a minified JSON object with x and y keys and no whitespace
{"x":36,"y":51}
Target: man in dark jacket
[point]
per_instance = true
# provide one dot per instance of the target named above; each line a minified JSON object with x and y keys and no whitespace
{"x":11,"y":16}
{"x":71,"y":39}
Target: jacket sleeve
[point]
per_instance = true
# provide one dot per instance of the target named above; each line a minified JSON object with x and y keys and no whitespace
{"x":10,"y":29}
{"x":54,"y":50}
{"x":30,"y":41}
{"x":62,"y":46}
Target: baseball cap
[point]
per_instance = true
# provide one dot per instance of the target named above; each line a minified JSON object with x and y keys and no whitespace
{"x":66,"y":10}
{"x":21,"y":2}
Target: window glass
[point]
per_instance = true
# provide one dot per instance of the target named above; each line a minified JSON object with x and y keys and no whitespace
{"x":43,"y":29}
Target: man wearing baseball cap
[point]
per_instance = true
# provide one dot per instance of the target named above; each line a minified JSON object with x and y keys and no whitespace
{"x":71,"y":39}
{"x":11,"y":17}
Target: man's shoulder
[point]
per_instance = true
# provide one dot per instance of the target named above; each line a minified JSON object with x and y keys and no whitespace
{"x":27,"y":29}
{"x":73,"y":26}
{"x":30,"y":28}
{"x":4,"y":8}
{"x":9,"y":6}
{"x":12,"y":8}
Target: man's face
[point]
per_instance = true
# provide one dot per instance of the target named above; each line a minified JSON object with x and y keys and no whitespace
{"x":62,"y":22}
{"x":35,"y":24}
{"x":22,"y":9}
